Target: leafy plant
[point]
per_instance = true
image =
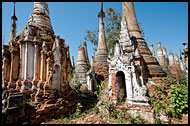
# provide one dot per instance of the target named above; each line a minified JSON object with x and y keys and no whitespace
{"x":172,"y":100}
{"x":78,"y":111}
{"x":178,"y":99}
{"x":99,"y":88}
{"x":46,"y":38}
{"x":71,"y":73}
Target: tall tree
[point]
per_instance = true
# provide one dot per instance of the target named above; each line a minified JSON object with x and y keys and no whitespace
{"x":112,"y":29}
{"x":112,"y":22}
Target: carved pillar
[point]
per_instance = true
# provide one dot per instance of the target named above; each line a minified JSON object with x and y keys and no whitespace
{"x":11,"y":70}
{"x":6,"y":68}
{"x":37,"y":63}
{"x":27,"y":66}
{"x":22,"y":54}
{"x":114,"y":94}
{"x":28,"y":60}
{"x":36,"y":67}
{"x":129,"y":82}
{"x":14,"y":71}
{"x":43,"y":66}
{"x":25,"y":61}
{"x":110,"y":81}
{"x":48,"y":67}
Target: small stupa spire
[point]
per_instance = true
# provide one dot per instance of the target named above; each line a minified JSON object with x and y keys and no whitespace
{"x":101,"y":13}
{"x":13,"y":26}
{"x":102,"y":51}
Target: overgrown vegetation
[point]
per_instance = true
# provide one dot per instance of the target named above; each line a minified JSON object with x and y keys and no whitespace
{"x":99,"y":89}
{"x":71,"y":73}
{"x":46,"y":38}
{"x":120,"y":116}
{"x":171,"y":100}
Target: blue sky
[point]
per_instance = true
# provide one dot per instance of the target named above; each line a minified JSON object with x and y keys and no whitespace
{"x":166,"y":22}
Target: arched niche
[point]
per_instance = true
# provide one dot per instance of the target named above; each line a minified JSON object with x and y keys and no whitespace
{"x":120,"y":85}
{"x":57,"y":77}
{"x":93,"y":88}
{"x":99,"y":79}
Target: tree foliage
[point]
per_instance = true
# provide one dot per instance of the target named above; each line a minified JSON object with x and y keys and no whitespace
{"x":112,"y":23}
{"x":112,"y":26}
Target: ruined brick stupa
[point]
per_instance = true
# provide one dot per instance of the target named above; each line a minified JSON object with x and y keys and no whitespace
{"x":99,"y":66}
{"x":170,"y":64}
{"x":151,"y":67}
{"x":161,"y":58}
{"x":81,"y":66}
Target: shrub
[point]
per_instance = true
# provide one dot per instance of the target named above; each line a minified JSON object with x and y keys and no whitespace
{"x":46,"y":38}
{"x":173,"y":101}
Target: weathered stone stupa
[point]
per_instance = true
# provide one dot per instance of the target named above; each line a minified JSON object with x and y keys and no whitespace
{"x":100,"y":64}
{"x":99,"y":70}
{"x":40,"y":18}
{"x":185,"y":57}
{"x":165,"y":55}
{"x":177,"y":63}
{"x":152,"y":50}
{"x":151,"y":66}
{"x":161,"y":58}
{"x":172,"y":65}
{"x":102,"y":51}
{"x":86,"y":53}
{"x":81,"y":67}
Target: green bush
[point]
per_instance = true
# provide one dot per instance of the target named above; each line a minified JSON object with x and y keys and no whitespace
{"x":46,"y":38}
{"x":99,"y":88}
{"x":173,"y":101}
{"x":178,"y":99}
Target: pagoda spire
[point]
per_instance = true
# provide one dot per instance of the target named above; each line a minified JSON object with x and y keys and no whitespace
{"x":152,"y":68}
{"x":101,"y":13}
{"x":102,"y":51}
{"x":13,"y":26}
{"x":40,"y":18}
